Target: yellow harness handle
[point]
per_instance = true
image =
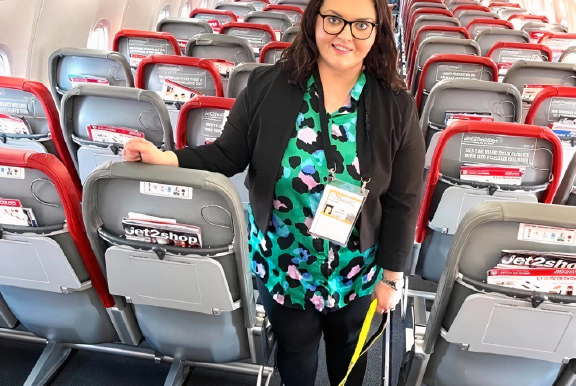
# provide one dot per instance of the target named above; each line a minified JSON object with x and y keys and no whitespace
{"x":363,"y":346}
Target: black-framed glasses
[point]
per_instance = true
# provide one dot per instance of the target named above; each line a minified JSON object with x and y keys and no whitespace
{"x":334,"y":25}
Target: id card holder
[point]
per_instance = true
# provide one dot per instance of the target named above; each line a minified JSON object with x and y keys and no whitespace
{"x":338,"y":211}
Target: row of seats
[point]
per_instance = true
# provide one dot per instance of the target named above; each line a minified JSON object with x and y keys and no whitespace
{"x":73,"y":279}
{"x":478,"y":63}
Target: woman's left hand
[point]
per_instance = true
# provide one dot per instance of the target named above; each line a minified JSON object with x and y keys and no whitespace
{"x":387,"y":297}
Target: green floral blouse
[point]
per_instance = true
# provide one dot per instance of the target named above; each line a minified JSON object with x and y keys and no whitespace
{"x":295,"y":267}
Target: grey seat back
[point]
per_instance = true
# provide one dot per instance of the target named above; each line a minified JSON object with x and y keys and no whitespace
{"x":539,"y":73}
{"x":257,"y":38}
{"x":239,"y":78}
{"x":201,"y":76}
{"x":569,"y":55}
{"x":278,"y":21}
{"x":475,"y":28}
{"x":506,"y":56}
{"x":213,"y":46}
{"x":440,"y":45}
{"x":418,"y":5}
{"x":135,"y":48}
{"x":434,"y":33}
{"x":505,"y":12}
{"x":453,"y":68}
{"x":222,"y":19}
{"x":240,"y":9}
{"x":558,"y":43}
{"x":44,"y":281}
{"x":27,"y":106}
{"x":135,"y":109}
{"x":566,"y":194}
{"x":467,"y":16}
{"x":67,"y":63}
{"x":271,"y":53}
{"x":535,"y":29}
{"x":502,"y":102}
{"x":183,"y":28}
{"x":452,"y":5}
{"x":290,"y":34}
{"x":207,"y":289}
{"x":485,"y":330}
{"x":293,"y":14}
{"x":297,"y":3}
{"x":487,"y":38}
{"x":425,"y":20}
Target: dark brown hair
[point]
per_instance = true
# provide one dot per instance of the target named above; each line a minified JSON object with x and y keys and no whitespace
{"x":299,"y":60}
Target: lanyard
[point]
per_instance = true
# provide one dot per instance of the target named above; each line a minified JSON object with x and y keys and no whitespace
{"x":363,"y":132}
{"x":364,"y":344}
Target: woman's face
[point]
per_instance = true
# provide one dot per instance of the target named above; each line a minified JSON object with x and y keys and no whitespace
{"x":343,"y":52}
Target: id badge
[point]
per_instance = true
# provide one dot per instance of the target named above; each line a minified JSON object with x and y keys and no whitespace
{"x":338,"y":211}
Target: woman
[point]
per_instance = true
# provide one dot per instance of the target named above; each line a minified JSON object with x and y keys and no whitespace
{"x":343,"y":62}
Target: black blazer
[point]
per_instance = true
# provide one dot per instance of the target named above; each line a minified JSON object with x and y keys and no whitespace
{"x":260,"y":125}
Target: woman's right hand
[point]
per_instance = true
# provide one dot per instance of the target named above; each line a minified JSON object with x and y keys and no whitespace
{"x":139,"y":149}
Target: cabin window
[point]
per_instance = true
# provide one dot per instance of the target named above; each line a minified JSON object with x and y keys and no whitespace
{"x":186,"y":9}
{"x":99,"y":35}
{"x":4,"y":67}
{"x":164,"y":13}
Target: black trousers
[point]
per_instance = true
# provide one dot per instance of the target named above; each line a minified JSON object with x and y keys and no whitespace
{"x":298,"y":335}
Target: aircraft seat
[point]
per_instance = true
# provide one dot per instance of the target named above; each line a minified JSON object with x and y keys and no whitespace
{"x":136,"y":45}
{"x":30,"y":103}
{"x":272,"y":52}
{"x":505,"y":54}
{"x":214,"y":46}
{"x":478,"y":25}
{"x":258,"y":35}
{"x":240,"y":9}
{"x":68,"y":67}
{"x":477,"y":332}
{"x":201,"y":121}
{"x":193,"y":304}
{"x":183,"y":29}
{"x":290,"y":34}
{"x":87,"y":107}
{"x":491,"y":36}
{"x":448,"y":195}
{"x":452,"y":66}
{"x":294,"y":13}
{"x":438,"y":45}
{"x":239,"y":78}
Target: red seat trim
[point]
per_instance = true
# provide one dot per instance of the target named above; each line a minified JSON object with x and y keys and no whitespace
{"x":280,"y":7}
{"x":70,"y":199}
{"x":543,"y":19}
{"x":180,"y":61}
{"x":555,"y":35}
{"x":503,"y":4}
